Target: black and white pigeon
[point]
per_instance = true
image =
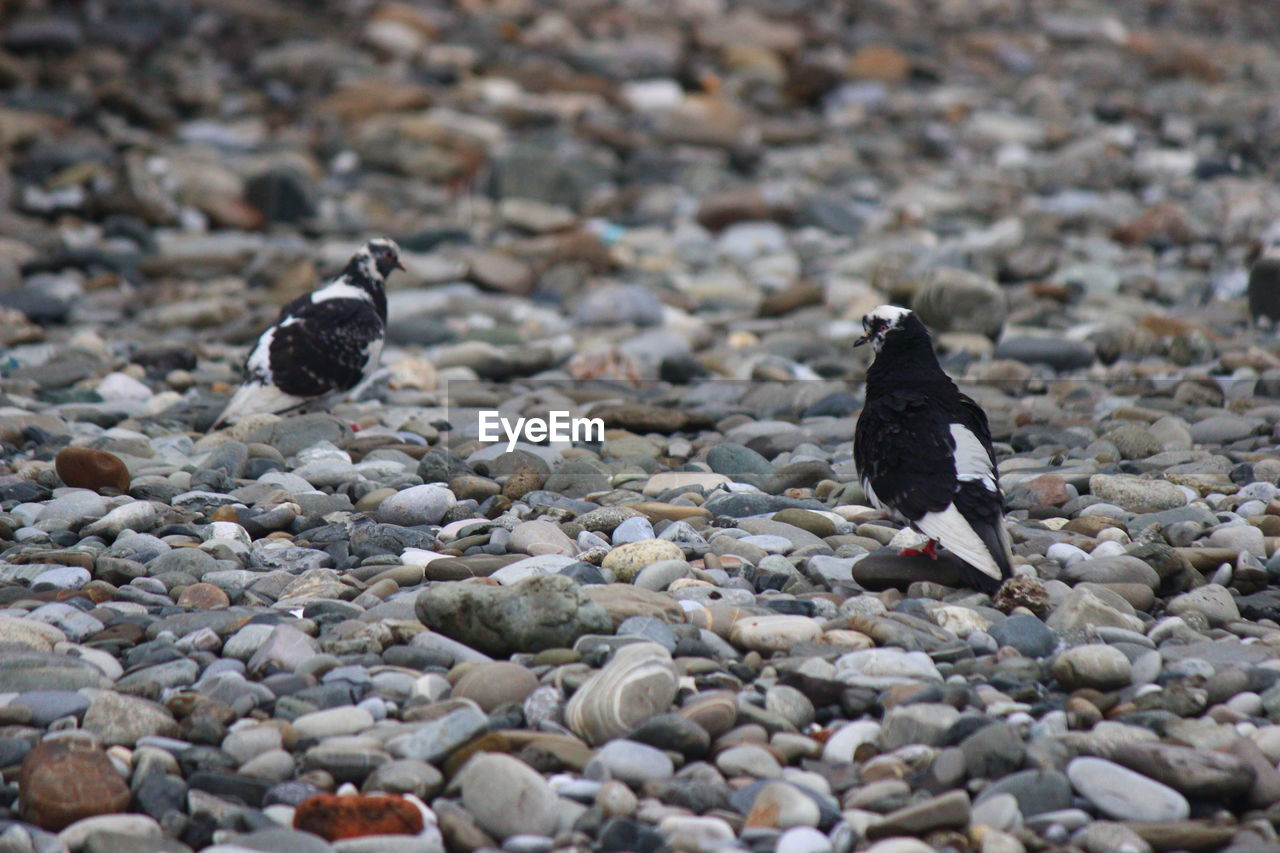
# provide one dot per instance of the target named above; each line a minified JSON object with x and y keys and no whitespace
{"x":923,"y":450}
{"x":323,"y":343}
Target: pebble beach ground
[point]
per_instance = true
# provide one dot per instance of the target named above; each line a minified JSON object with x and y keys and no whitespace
{"x":366,"y":630}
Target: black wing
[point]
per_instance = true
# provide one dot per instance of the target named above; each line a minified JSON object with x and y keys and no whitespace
{"x":902,"y":447}
{"x":325,"y":346}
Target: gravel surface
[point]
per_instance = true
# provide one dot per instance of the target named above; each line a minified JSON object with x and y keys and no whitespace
{"x":365,"y":630}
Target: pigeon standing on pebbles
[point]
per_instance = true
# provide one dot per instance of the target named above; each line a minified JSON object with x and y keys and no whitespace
{"x":323,"y":343}
{"x":923,"y":450}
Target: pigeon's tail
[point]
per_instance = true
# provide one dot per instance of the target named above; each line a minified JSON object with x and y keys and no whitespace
{"x":996,"y":538}
{"x":253,"y":398}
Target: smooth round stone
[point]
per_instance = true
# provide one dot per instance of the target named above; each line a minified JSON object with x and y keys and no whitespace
{"x":615,"y":799}
{"x":438,"y":738}
{"x":1110,"y":569}
{"x":1065,"y":553}
{"x":749,"y":760}
{"x":123,"y":720}
{"x":634,"y":529}
{"x":507,"y":797}
{"x":75,"y":507}
{"x":999,"y":812}
{"x":49,"y":705}
{"x":416,"y":505}
{"x":246,"y":742}
{"x":900,"y":845}
{"x":491,"y":685}
{"x":773,"y":633}
{"x":1090,"y":606}
{"x":67,"y":780}
{"x":769,"y":544}
{"x":63,"y":577}
{"x":541,"y":537}
{"x":1104,"y":836}
{"x":885,"y":667}
{"x":405,"y":776}
{"x":632,"y":762}
{"x":674,"y":733}
{"x":790,"y":704}
{"x":1242,"y":538}
{"x":332,"y":722}
{"x":660,"y":575}
{"x":811,"y":522}
{"x":1212,"y":601}
{"x":1095,"y":665}
{"x":803,"y":839}
{"x":639,"y":682}
{"x":1035,"y":790}
{"x":1122,"y":794}
{"x":923,"y":723}
{"x":716,"y":712}
{"x":139,"y":828}
{"x":1031,"y":637}
{"x":648,"y":628}
{"x":86,"y":468}
{"x":203,"y":596}
{"x":543,"y":612}
{"x":685,"y":832}
{"x":841,"y":747}
{"x":1136,"y":494}
{"x":781,"y":805}
{"x":627,"y":561}
{"x":735,"y":460}
{"x":274,"y":765}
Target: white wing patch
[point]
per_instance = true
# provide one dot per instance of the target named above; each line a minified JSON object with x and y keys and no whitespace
{"x":339,"y":290}
{"x":253,"y":398}
{"x":972,"y":460}
{"x":954,"y":533}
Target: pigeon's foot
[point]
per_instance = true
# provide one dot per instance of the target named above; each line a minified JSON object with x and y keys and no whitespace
{"x":930,"y":550}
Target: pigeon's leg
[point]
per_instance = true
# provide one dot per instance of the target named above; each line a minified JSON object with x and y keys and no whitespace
{"x":930,"y":550}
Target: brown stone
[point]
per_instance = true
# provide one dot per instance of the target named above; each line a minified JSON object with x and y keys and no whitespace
{"x":85,"y":468}
{"x":622,"y":601}
{"x":490,"y":685}
{"x":880,"y":62}
{"x":801,"y":294}
{"x":523,"y":480}
{"x":65,"y":780}
{"x":1165,"y":222}
{"x":203,"y":596}
{"x":1048,"y":490}
{"x":722,"y":209}
{"x":356,"y":815}
{"x":640,"y":418}
{"x":496,"y":271}
{"x":1090,"y":525}
{"x":658,"y":511}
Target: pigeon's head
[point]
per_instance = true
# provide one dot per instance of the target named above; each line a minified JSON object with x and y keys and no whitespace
{"x":384,"y":254}
{"x":883,"y":321}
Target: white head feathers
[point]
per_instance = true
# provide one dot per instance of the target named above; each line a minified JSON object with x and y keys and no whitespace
{"x":879,"y":322}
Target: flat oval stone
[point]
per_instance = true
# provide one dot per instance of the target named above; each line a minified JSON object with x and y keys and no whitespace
{"x":1122,"y":794}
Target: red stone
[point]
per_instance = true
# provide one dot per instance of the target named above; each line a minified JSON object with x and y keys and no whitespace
{"x":203,"y":596}
{"x":333,"y":817}
{"x":86,"y":468}
{"x":1049,"y":490}
{"x":67,"y":779}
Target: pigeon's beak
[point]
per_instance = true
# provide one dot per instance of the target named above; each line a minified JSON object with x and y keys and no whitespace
{"x":399,"y":264}
{"x":862,"y":340}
